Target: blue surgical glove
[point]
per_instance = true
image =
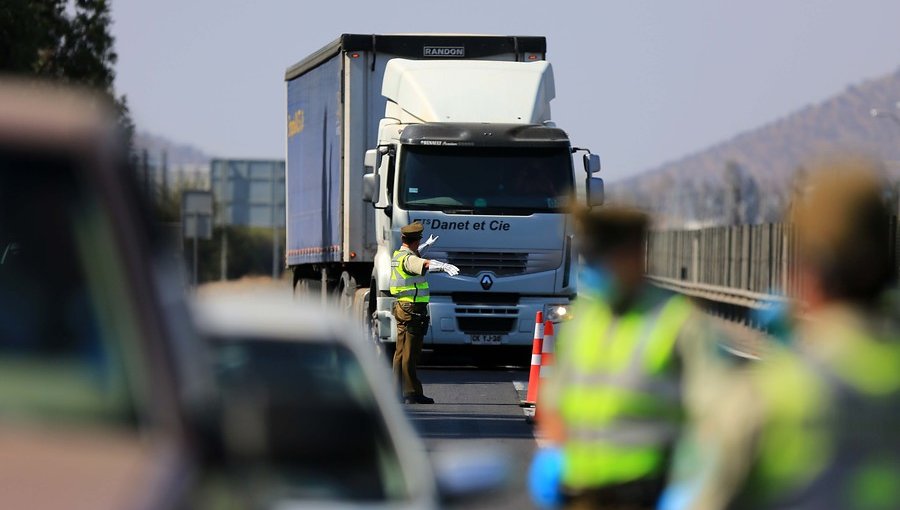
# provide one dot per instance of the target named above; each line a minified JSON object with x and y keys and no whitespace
{"x":776,"y":319}
{"x":675,"y":497}
{"x":597,"y":281}
{"x":545,"y":476}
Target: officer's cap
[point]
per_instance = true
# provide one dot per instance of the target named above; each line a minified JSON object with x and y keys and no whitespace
{"x":412,"y":231}
{"x":608,"y":228}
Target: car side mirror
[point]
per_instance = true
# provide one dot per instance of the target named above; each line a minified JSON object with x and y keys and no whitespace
{"x":591,"y":163}
{"x":595,"y":191}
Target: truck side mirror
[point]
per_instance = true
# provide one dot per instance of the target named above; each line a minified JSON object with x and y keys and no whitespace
{"x":371,"y":181}
{"x":371,"y":159}
{"x":591,"y":163}
{"x":595,"y":191}
{"x":371,"y":184}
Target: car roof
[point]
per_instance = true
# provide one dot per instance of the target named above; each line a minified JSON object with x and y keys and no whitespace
{"x":270,"y":314}
{"x":39,"y":114}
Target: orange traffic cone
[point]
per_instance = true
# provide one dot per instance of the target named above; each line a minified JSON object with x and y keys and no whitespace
{"x":534,"y":376}
{"x":546,"y":359}
{"x":547,"y":350}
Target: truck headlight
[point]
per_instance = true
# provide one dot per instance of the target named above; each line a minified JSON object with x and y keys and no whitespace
{"x":558,"y":313}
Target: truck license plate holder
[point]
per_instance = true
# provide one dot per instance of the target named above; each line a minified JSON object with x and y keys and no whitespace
{"x":486,"y":339}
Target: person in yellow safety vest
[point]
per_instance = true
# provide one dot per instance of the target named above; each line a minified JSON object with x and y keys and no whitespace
{"x":815,"y":425}
{"x":409,"y":286}
{"x":611,"y":408}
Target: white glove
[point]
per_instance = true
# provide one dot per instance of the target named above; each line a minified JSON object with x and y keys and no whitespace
{"x":437,"y":265}
{"x":431,"y":240}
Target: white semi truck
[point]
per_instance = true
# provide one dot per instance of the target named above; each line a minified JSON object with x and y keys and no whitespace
{"x":449,"y":130}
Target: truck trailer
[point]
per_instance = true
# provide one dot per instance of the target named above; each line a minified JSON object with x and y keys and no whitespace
{"x":453,"y":131}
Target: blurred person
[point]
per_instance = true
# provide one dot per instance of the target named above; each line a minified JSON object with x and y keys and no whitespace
{"x":815,"y":425}
{"x":611,"y":408}
{"x":410,"y":287}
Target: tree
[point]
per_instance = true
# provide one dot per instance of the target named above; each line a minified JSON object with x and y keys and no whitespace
{"x":66,"y":41}
{"x":742,"y":195}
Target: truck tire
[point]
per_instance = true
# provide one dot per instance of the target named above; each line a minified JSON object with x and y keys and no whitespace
{"x":385,"y":350}
{"x":346,"y":292}
{"x":302,"y":288}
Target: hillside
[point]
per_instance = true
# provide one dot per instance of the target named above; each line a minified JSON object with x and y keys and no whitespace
{"x":756,"y":169}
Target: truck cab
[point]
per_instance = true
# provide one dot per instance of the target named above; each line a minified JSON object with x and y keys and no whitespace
{"x":478,"y":162}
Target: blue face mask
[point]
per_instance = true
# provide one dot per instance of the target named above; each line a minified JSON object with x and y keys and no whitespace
{"x":598,"y":281}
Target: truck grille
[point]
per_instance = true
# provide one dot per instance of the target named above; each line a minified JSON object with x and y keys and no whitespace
{"x":485,"y":298}
{"x":486,"y":310}
{"x":495,"y":325}
{"x":471,"y":263}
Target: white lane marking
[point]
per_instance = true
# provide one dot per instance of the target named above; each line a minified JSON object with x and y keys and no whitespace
{"x":522,"y":389}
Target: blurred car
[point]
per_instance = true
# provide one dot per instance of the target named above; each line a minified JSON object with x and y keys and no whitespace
{"x":95,"y":368}
{"x":308,"y":415}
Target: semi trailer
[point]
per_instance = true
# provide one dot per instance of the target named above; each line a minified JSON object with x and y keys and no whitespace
{"x":453,"y":131}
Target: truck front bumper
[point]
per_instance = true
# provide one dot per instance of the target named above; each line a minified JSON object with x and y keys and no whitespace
{"x":475,"y":324}
{"x":486,"y":324}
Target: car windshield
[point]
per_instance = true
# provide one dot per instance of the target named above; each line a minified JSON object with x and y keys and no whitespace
{"x":485,"y":179}
{"x":66,"y":327}
{"x":300,"y":422}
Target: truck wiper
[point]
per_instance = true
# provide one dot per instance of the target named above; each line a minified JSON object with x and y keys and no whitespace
{"x":458,"y":211}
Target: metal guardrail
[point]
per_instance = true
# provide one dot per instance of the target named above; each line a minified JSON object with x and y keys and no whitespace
{"x":727,"y":295}
{"x":742,"y":265}
{"x":734,"y":272}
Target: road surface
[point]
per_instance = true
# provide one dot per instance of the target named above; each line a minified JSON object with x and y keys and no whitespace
{"x":478,"y":408}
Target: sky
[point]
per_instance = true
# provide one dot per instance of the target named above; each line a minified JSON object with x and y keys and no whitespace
{"x":640,"y":82}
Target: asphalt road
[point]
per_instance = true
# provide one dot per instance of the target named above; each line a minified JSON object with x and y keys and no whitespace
{"x":478,"y":410}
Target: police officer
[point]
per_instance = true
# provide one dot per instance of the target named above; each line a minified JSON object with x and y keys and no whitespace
{"x":409,"y":286}
{"x":815,"y":424}
{"x":611,"y":407}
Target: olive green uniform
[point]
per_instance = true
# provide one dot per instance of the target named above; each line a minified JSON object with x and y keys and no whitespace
{"x":412,"y":323}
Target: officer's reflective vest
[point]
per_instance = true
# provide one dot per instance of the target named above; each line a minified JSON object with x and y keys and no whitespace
{"x":621,"y":403}
{"x":830,"y":439}
{"x":405,"y":286}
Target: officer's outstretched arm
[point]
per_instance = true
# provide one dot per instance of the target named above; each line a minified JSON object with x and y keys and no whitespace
{"x":437,"y":265}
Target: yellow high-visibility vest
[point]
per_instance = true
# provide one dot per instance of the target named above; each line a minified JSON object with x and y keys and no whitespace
{"x":829,"y":439}
{"x":405,"y":286}
{"x":621,"y":404}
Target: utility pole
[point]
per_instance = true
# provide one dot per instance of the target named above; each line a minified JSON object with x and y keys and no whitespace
{"x":145,"y":168}
{"x":273,"y":174}
{"x":224,"y":175}
{"x":165,"y":175}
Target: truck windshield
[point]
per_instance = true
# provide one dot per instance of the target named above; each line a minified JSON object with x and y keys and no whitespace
{"x":485,"y":179}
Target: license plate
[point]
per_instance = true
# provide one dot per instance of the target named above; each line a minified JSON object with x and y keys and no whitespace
{"x":486,"y":339}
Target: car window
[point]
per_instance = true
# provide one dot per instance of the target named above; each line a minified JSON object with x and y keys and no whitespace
{"x":301,"y":422}
{"x":66,"y":328}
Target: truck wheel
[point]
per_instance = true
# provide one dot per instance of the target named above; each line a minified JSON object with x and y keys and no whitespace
{"x":346,"y":291}
{"x":302,"y":288}
{"x":387,"y":352}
